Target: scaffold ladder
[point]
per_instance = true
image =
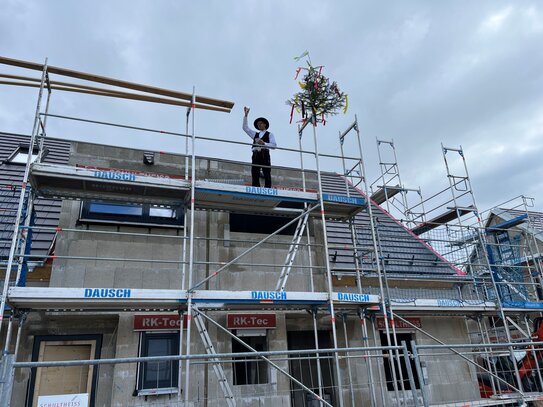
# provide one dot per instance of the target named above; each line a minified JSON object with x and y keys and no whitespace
{"x":292,"y":251}
{"x":216,"y":363}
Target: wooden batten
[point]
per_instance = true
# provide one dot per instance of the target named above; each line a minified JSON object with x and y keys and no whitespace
{"x":90,"y":90}
{"x":119,"y":83}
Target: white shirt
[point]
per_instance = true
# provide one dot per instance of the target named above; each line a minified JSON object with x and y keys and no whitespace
{"x":258,"y":134}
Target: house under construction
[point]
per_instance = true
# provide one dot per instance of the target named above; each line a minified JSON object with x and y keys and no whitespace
{"x":144,"y":278}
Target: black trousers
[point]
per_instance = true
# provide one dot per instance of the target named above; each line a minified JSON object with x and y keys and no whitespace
{"x":261,"y":159}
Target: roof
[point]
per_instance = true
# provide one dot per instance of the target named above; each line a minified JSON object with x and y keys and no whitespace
{"x":404,"y":253}
{"x":534,"y":224}
{"x":11,"y":175}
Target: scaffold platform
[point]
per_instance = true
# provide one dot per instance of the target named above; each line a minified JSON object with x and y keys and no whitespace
{"x":92,"y":298}
{"x":214,"y":195}
{"x":85,"y":182}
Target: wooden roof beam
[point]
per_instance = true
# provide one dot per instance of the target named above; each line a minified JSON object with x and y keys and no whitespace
{"x":116,"y":82}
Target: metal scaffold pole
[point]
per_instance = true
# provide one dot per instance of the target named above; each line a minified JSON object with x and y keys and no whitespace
{"x":352,"y":226}
{"x":482,"y":239}
{"x":191,"y":256}
{"x":22,"y":197}
{"x":183,"y":259}
{"x":314,"y":310}
{"x":385,"y":299}
{"x":339,"y":380}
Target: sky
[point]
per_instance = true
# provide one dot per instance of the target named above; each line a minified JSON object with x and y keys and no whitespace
{"x":419,"y":73}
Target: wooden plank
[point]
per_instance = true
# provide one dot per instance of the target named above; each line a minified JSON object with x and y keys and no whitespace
{"x":383,"y":193}
{"x":441,"y":220}
{"x":116,"y":82}
{"x":119,"y":94}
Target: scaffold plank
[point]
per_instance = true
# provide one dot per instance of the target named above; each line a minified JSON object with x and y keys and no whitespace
{"x":133,"y":298}
{"x":452,"y":213}
{"x":228,"y":197}
{"x":384,"y":193}
{"x":65,"y":181}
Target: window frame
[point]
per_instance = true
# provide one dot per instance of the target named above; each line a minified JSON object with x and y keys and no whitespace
{"x":86,"y":215}
{"x":23,"y":149}
{"x":96,"y":339}
{"x":142,"y":388}
{"x":249,"y":364}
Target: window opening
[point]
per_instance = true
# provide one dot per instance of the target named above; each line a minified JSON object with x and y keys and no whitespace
{"x":263,"y":224}
{"x":250,"y":370}
{"x":393,"y":364}
{"x":20,"y":156}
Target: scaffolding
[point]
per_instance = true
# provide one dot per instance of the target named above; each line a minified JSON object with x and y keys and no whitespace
{"x":351,"y":264}
{"x":389,"y":189}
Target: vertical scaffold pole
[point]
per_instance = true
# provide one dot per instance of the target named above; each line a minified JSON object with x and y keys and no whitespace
{"x":24,"y":186}
{"x":313,"y":311}
{"x":183,"y":258}
{"x":482,"y":240}
{"x":384,"y":297}
{"x":366,"y":342}
{"x":349,"y":369}
{"x":327,"y":263}
{"x":9,"y":385}
{"x":382,"y":384}
{"x":304,"y":186}
{"x":191,"y":251}
{"x":30,"y":205}
{"x":411,"y":379}
{"x":352,"y":226}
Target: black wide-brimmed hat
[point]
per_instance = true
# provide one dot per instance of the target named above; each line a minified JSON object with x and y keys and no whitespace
{"x":262,"y":119}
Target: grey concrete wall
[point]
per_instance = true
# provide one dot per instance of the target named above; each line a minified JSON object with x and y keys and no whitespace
{"x":448,"y":377}
{"x":137,"y":271}
{"x":47,"y":323}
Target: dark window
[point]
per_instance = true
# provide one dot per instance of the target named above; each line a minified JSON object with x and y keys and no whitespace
{"x":400,"y":368}
{"x":141,"y":214}
{"x":115,"y":209}
{"x":160,"y":374}
{"x":260,"y":224}
{"x":305,"y":367}
{"x":250,"y":370}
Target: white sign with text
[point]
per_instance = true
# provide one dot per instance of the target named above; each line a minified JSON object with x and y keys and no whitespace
{"x":64,"y":400}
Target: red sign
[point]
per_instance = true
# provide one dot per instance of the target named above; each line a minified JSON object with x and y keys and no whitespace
{"x":399,"y":324}
{"x":158,"y":322}
{"x":250,"y":321}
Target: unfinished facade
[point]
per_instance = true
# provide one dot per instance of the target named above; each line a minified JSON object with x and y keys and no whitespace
{"x":168,"y":280}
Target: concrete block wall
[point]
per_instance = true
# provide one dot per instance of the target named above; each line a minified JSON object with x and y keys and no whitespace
{"x":141,"y":274}
{"x":119,"y":381}
{"x":53,"y":323}
{"x":449,"y":378}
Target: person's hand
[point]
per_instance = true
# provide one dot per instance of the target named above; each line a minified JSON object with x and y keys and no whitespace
{"x":246,"y":110}
{"x":260,"y":141}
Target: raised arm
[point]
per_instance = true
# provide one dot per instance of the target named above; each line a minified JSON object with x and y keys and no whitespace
{"x":245,"y":126}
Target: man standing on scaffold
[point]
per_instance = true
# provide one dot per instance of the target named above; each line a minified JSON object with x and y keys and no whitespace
{"x":263,"y":140}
